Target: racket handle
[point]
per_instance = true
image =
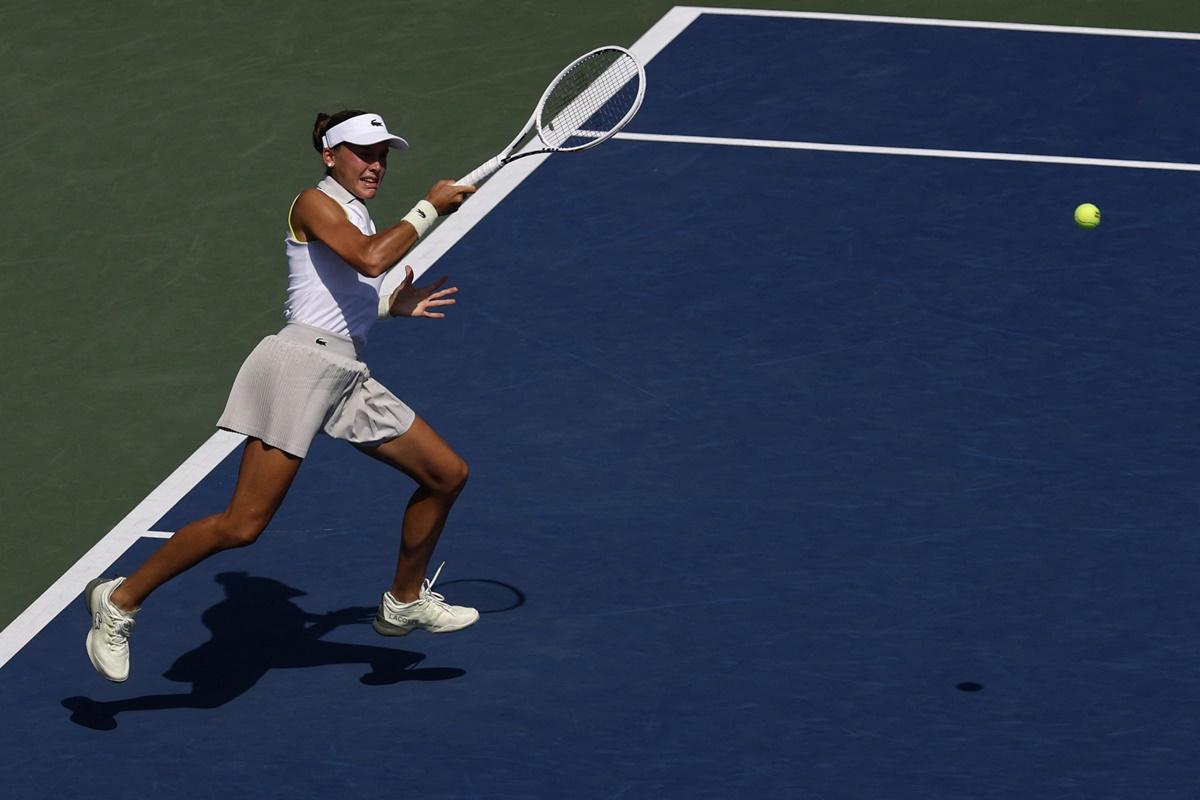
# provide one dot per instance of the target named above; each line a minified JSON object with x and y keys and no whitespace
{"x":482,"y":172}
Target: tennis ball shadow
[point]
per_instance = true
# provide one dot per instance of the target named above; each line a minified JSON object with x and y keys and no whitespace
{"x":255,"y":629}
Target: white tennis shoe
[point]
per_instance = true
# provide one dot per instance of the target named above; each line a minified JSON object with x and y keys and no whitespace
{"x":108,"y":639}
{"x":429,"y":612}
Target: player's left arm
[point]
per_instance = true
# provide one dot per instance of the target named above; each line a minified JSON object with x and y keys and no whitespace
{"x":420,"y":301}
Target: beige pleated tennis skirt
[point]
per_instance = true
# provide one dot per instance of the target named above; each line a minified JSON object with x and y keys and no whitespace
{"x":304,"y":380}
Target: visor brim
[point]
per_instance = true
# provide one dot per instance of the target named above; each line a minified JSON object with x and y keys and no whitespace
{"x":394,"y":142}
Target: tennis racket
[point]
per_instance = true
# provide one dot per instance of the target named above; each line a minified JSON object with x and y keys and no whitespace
{"x":590,"y":100}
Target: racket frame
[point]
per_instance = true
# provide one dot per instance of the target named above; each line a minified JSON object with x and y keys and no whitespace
{"x":534,"y":124}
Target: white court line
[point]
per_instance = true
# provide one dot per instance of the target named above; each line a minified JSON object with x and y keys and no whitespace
{"x":941,"y":23}
{"x":909,"y":151}
{"x":663,"y":32}
{"x":136,"y":524}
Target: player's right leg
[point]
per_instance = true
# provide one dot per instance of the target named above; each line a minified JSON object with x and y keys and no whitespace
{"x":264,"y":477}
{"x":441,"y":475}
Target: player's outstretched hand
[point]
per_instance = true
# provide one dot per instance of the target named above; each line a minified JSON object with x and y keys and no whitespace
{"x":447,"y":196}
{"x":418,"y":301}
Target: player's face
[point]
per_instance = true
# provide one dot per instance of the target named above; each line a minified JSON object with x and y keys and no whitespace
{"x":360,"y":167}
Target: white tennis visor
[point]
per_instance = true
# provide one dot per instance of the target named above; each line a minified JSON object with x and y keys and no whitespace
{"x":363,"y":129}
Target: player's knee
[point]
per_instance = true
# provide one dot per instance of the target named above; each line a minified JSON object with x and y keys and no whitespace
{"x":450,"y":480}
{"x":461,"y":473}
{"x":241,"y":530}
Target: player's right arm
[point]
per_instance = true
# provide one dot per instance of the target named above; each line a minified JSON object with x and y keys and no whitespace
{"x":316,"y":216}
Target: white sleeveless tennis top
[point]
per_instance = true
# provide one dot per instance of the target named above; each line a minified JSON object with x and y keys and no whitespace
{"x":323,"y":290}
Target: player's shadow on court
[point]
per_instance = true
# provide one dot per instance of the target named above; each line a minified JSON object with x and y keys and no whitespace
{"x":257,"y":628}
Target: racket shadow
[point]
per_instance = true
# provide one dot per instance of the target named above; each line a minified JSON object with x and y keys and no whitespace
{"x":255,"y":629}
{"x":485,"y":595}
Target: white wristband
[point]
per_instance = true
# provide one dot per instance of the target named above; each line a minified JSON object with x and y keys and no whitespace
{"x":422,"y":217}
{"x":385,"y":306}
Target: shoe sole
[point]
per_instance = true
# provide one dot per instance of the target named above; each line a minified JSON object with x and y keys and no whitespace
{"x":87,"y":603}
{"x":388,"y":629}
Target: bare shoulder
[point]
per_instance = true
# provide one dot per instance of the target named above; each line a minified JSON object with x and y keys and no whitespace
{"x":311,"y":206}
{"x":313,"y":199}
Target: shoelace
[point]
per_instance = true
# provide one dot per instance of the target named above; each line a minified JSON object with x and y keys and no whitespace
{"x":427,"y":592}
{"x":116,"y":631}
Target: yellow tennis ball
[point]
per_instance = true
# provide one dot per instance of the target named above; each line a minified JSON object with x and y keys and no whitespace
{"x":1087,"y":216}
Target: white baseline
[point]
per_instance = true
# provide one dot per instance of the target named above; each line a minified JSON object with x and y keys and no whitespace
{"x":695,"y":11}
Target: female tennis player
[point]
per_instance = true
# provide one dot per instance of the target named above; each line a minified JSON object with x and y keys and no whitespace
{"x":307,"y":378}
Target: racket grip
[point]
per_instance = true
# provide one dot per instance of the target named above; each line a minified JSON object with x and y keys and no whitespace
{"x":482,"y":172}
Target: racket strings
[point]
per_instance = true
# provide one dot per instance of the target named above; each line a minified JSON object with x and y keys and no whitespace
{"x":591,"y":99}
